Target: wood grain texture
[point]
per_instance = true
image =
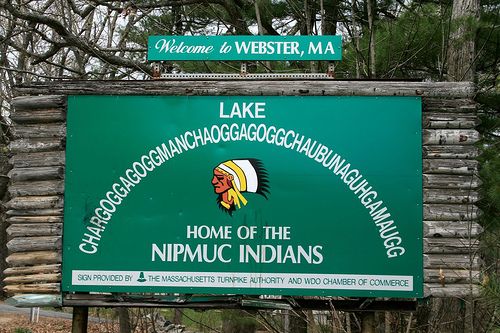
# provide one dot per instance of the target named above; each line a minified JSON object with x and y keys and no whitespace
{"x":32,"y":145}
{"x":33,"y":278}
{"x":44,"y":187}
{"x":36,"y":116}
{"x":53,"y":130}
{"x":452,"y":261}
{"x":38,"y":102}
{"x":251,"y":87}
{"x":445,"y":277}
{"x":33,"y":258}
{"x":28,"y":270}
{"x":450,"y":196}
{"x":450,"y":136}
{"x":450,"y":245}
{"x":28,"y":160}
{"x":34,"y":174}
{"x":459,"y":105}
{"x":449,"y":120}
{"x":36,"y":202}
{"x":451,"y":290}
{"x":34,"y":229}
{"x":32,"y":244}
{"x":457,"y":229}
{"x":34,"y":219}
{"x":38,"y":288}
{"x":445,"y":212}
{"x":450,"y":151}
{"x":462,"y":182}
{"x":450,"y":166}
{"x":34,"y":212}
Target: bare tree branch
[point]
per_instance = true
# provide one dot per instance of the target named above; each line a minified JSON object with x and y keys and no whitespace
{"x":70,"y":38}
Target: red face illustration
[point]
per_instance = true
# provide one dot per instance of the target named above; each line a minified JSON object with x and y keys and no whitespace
{"x":221,"y":182}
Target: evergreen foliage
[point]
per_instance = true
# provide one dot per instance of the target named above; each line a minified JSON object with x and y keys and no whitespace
{"x":490,"y":204}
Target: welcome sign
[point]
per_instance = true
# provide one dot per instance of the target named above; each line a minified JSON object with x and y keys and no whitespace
{"x":244,"y":195}
{"x":244,"y":48}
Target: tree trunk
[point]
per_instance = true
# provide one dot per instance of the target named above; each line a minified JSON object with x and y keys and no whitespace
{"x":370,"y":4}
{"x":368,"y":322}
{"x":298,"y":322}
{"x":309,"y":15}
{"x":355,"y":36}
{"x":124,"y":319}
{"x":177,"y":316}
{"x":331,"y":8}
{"x":311,"y":322}
{"x":461,"y":44}
{"x":388,"y":322}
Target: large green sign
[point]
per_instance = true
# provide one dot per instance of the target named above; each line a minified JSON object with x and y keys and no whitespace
{"x":244,"y":195}
{"x":244,"y":48}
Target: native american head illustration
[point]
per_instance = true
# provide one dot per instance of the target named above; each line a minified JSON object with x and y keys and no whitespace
{"x":232,"y":178}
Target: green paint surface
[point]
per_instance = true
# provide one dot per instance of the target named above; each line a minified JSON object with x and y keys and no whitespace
{"x":312,"y":227}
{"x":244,"y":48}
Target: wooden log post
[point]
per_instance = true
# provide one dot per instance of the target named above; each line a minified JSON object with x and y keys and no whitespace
{"x":80,"y":319}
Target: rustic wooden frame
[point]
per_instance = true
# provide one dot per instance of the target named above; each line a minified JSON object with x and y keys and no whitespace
{"x":35,"y":210}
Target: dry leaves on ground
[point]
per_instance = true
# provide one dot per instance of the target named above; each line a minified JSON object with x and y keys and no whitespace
{"x":16,"y":323}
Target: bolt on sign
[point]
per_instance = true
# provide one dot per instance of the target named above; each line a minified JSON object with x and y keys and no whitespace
{"x":281,"y":195}
{"x":245,"y":48}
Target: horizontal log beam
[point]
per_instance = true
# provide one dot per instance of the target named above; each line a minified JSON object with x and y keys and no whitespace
{"x":435,"y":120}
{"x":444,"y":212}
{"x":34,"y":212}
{"x":231,"y":302}
{"x":38,"y":102}
{"x":459,"y":105}
{"x":251,"y":87}
{"x":31,"y":244}
{"x":450,"y":136}
{"x":464,"y":182}
{"x":457,"y":229}
{"x":450,"y":166}
{"x":36,"y":173}
{"x":451,"y":276}
{"x":35,"y":202}
{"x":452,"y":261}
{"x":32,"y":145}
{"x":36,"y":288}
{"x":43,"y":187}
{"x":33,"y":258}
{"x":450,"y":245}
{"x":28,"y":160}
{"x":450,"y":196}
{"x":451,"y":290}
{"x":28,"y":270}
{"x":52,"y":130}
{"x":34,"y":219}
{"x":450,"y":151}
{"x":34,"y":229}
{"x":33,"y":278}
{"x":37,"y":116}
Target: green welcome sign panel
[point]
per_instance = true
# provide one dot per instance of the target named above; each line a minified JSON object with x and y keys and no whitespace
{"x":274,"y":195}
{"x":245,"y":47}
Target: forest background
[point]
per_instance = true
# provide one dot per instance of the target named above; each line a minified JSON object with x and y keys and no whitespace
{"x":432,"y":40}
